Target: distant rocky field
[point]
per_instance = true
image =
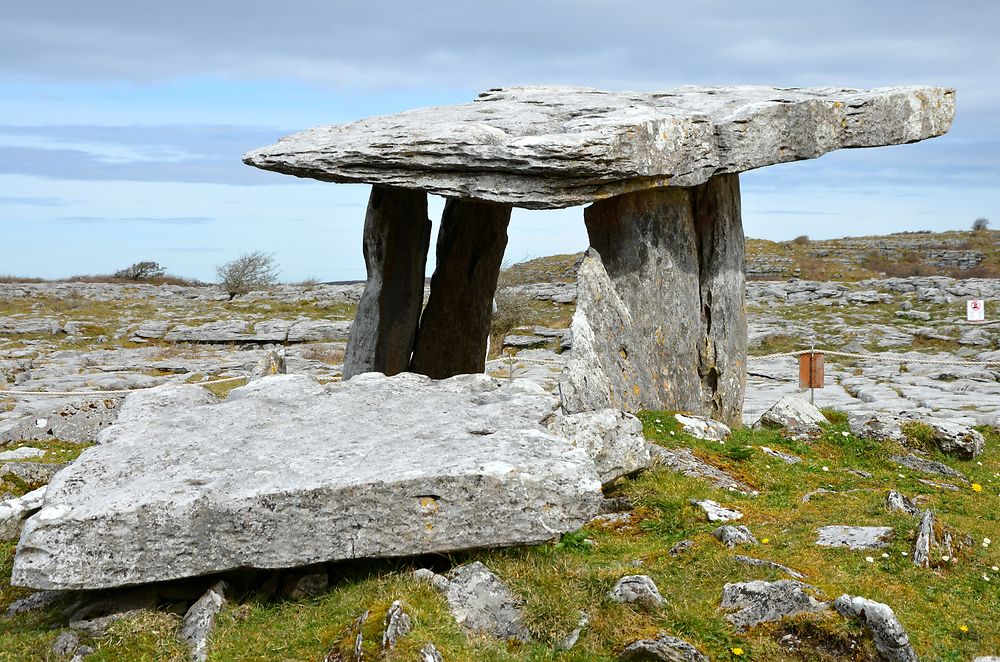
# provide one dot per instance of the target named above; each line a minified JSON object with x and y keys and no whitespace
{"x":832,"y":504}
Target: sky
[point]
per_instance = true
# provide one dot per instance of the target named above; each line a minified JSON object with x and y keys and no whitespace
{"x":122,"y":123}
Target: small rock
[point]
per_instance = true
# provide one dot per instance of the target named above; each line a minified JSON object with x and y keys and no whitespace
{"x":731,"y":536}
{"x":272,"y":363}
{"x":891,"y":641}
{"x":638,"y":589}
{"x":570,"y":640}
{"x":956,"y":439}
{"x":914,"y":315}
{"x":687,"y":463}
{"x":430,"y":654}
{"x":22,"y":453}
{"x":615,"y":505}
{"x":13,"y":512}
{"x":896,"y":501}
{"x":81,"y":654}
{"x":397,"y":625}
{"x":762,"y":563}
{"x":683,"y":547}
{"x":66,"y":643}
{"x":925,"y":538}
{"x":200,"y":619}
{"x":93,"y":618}
{"x":300,"y":586}
{"x":703,"y":428}
{"x":759,"y":602}
{"x":784,"y":457}
{"x":717,"y":513}
{"x":927,"y":466}
{"x":853,"y":537}
{"x":662,"y":649}
{"x":37,"y":600}
{"x":800,"y":418}
{"x":481,"y":602}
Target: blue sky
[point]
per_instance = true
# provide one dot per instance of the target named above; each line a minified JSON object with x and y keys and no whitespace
{"x":122,"y":124}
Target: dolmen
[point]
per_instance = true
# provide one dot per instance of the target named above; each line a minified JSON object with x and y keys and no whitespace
{"x":660,"y":315}
{"x":417,"y":451}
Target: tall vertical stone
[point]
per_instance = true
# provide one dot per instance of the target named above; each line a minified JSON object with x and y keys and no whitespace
{"x":396,"y":238}
{"x":455,"y":325}
{"x":660,"y":321}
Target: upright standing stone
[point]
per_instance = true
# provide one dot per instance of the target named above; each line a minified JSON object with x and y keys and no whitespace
{"x":663,"y":310}
{"x":455,"y":326}
{"x":396,"y":238}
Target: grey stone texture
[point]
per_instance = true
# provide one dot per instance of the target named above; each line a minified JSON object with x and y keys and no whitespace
{"x":481,"y":602}
{"x":398,"y":624}
{"x":853,"y":537}
{"x":286,"y":473}
{"x":731,"y":536}
{"x":702,"y":427}
{"x":686,"y":462}
{"x":78,"y":421}
{"x":664,"y":648}
{"x":956,"y":439}
{"x":925,"y":540}
{"x":891,"y":640}
{"x":756,"y":602}
{"x":661,"y":320}
{"x":396,"y":238}
{"x":546,"y":147}
{"x":199,"y":620}
{"x":771,"y":565}
{"x":794,"y":414}
{"x":636,"y":589}
{"x":717,"y":513}
{"x":455,"y":325}
{"x":613,"y":439}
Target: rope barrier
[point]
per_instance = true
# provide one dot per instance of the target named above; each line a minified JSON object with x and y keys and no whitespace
{"x":874,"y":357}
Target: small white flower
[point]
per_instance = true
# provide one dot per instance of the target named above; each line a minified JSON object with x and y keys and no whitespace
{"x":885,"y":555}
{"x":985,"y":544}
{"x":904,"y":553}
{"x":901,"y":475}
{"x":672,"y":433}
{"x":987,"y":541}
{"x":979,"y":463}
{"x":826,"y":468}
{"x":656,"y":420}
{"x":945,"y":558}
{"x":845,"y":433}
{"x":995,"y":568}
{"x":986,"y":578}
{"x":869,"y":559}
{"x":722,"y":443}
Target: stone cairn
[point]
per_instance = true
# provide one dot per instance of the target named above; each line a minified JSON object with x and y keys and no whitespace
{"x":663,"y":295}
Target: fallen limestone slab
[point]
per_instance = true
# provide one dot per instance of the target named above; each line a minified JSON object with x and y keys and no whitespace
{"x":715,"y":512}
{"x":500,"y":147}
{"x":756,"y":602}
{"x":287,"y":473}
{"x":853,"y":537}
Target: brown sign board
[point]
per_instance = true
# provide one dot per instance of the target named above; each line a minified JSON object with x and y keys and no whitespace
{"x":811,"y":370}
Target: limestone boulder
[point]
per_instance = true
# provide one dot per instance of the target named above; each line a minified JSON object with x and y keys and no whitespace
{"x":664,"y":648}
{"x":755,"y":602}
{"x":891,"y":640}
{"x":956,"y":439}
{"x":800,"y":418}
{"x":613,"y":439}
{"x":286,"y":473}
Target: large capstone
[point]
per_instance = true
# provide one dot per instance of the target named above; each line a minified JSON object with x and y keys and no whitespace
{"x":286,"y":473}
{"x":549,"y":147}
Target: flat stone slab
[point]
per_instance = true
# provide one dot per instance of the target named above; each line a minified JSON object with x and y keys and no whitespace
{"x":551,"y":147}
{"x":854,"y":537}
{"x":286,"y":472}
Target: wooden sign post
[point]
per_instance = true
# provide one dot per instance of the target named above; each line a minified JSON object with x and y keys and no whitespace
{"x":811,"y":372}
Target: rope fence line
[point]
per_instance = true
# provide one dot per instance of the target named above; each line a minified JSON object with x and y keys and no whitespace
{"x":511,"y":360}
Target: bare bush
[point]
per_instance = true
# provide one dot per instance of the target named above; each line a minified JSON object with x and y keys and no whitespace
{"x":980,"y":224}
{"x":248,"y":272}
{"x":141,"y":271}
{"x":801,"y":240}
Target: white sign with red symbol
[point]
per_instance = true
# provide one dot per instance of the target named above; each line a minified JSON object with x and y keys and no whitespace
{"x":975,"y":310}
